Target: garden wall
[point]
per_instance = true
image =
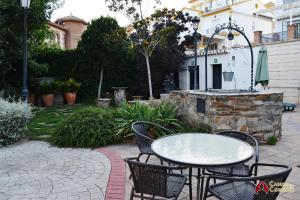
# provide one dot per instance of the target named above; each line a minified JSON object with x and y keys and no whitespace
{"x":256,"y":113}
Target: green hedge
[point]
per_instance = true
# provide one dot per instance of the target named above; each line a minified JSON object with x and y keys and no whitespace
{"x":95,"y":127}
{"x":89,"y":127}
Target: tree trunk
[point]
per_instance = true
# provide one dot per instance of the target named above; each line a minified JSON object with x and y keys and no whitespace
{"x":100,"y":83}
{"x":149,"y":76}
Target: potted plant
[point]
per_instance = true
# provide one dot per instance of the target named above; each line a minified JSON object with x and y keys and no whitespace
{"x":47,"y":93}
{"x":71,"y":88}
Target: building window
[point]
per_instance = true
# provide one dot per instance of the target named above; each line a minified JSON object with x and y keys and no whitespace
{"x":57,"y":38}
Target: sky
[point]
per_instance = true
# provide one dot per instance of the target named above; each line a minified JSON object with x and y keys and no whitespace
{"x":92,"y":9}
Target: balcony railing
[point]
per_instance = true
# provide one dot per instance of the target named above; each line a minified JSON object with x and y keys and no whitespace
{"x":275,"y":37}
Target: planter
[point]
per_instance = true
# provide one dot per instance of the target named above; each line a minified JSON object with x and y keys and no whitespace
{"x":48,"y":99}
{"x":119,"y":95}
{"x":70,"y":98}
{"x":31,"y":99}
{"x":103,"y":102}
{"x":228,"y":76}
{"x":59,"y":99}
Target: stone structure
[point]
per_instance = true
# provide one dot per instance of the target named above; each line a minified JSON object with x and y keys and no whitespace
{"x":256,"y":113}
{"x":119,"y":95}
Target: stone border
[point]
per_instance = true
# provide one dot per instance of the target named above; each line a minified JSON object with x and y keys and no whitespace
{"x":116,"y":183}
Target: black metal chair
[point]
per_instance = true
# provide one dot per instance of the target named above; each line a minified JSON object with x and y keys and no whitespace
{"x":248,"y":188}
{"x":239,"y":169}
{"x":150,"y":181}
{"x":141,"y":131}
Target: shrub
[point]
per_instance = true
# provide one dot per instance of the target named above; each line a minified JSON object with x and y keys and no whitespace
{"x":163,"y":114}
{"x":89,"y":127}
{"x":272,"y":140}
{"x":13,"y":118}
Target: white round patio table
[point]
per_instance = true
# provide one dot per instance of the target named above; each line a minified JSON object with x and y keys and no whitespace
{"x":201,"y":150}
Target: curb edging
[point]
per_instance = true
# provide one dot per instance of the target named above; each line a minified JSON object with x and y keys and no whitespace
{"x":115,"y":189}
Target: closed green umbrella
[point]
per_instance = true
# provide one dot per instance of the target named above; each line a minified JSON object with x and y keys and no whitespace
{"x":262,"y":71}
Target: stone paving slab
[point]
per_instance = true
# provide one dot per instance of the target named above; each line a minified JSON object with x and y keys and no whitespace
{"x":286,"y":151}
{"x":34,"y":170}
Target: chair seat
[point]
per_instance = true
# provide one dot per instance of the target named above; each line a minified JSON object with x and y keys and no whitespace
{"x":237,"y":170}
{"x":175,"y":185}
{"x":233,"y":190}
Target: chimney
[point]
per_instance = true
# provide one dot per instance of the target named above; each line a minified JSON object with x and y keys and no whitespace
{"x":257,"y":37}
{"x":291,"y":32}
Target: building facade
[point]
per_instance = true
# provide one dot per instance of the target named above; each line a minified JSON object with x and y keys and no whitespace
{"x":67,"y":31}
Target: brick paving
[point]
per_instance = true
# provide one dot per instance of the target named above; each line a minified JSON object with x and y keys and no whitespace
{"x":34,"y":170}
{"x":116,"y":184}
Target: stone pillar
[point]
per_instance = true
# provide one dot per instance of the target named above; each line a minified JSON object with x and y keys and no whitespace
{"x":257,"y":37}
{"x":119,"y":95}
{"x":291,"y":32}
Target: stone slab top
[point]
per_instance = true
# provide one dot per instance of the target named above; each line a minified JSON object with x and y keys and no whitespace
{"x":227,"y":92}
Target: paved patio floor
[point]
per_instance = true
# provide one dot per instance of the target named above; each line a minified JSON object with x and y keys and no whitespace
{"x":35,"y":170}
{"x":286,"y":151}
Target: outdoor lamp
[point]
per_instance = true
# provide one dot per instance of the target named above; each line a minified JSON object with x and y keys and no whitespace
{"x":25,"y":3}
{"x":196,"y":22}
{"x":24,"y":93}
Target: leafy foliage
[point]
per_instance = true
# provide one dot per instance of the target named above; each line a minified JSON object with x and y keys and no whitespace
{"x":164,"y":114}
{"x":71,"y":86}
{"x":13,"y":118}
{"x":272,"y":140}
{"x":11,"y":32}
{"x":89,"y":127}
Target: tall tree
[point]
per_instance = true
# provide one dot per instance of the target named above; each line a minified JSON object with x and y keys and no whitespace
{"x":103,"y":45}
{"x":142,"y":37}
{"x":149,"y":32}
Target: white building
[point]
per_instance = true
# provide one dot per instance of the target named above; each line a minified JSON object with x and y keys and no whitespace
{"x":224,"y":55}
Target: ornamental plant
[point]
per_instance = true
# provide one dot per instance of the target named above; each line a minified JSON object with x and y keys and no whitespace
{"x":47,"y":88}
{"x":71,"y":86}
{"x":13,"y":118}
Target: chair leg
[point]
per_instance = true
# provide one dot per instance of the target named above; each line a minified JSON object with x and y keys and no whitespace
{"x":138,"y":158}
{"x":202,"y":187}
{"x":147,"y":158}
{"x":132,"y":193}
{"x":206,"y":189}
{"x":198,"y":184}
{"x":190,"y":183}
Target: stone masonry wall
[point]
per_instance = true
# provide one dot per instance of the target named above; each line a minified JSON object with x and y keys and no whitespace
{"x":258,"y":113}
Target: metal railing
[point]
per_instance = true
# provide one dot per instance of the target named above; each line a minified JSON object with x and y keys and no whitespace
{"x":275,"y":37}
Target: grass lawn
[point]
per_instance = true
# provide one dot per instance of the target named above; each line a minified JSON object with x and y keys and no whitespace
{"x":46,"y":120}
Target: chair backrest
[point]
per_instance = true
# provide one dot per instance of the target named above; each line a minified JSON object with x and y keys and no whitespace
{"x":140,"y":130}
{"x":269,"y":181}
{"x":149,"y":179}
{"x":244,"y":137}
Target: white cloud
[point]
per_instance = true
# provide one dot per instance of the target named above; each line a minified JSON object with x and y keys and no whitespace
{"x":92,"y":9}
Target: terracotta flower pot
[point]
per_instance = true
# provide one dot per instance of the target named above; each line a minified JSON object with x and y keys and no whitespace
{"x":48,"y":99}
{"x":70,"y":98}
{"x":31,"y":99}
